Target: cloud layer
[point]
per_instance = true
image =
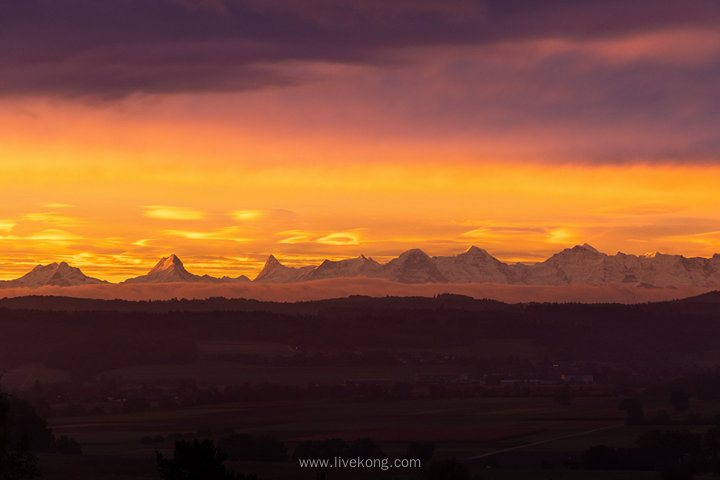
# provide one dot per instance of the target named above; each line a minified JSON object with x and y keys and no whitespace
{"x":344,"y":287}
{"x":111,"y":49}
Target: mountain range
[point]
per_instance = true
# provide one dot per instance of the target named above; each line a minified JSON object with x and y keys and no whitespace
{"x":581,"y":264}
{"x":171,"y":270}
{"x":55,"y":274}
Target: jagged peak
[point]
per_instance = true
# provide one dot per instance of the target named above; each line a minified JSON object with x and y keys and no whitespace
{"x":584,"y":247}
{"x":272,"y":261}
{"x":54,"y":266}
{"x":413,"y":252}
{"x":168,"y":263}
{"x":474,"y":250}
{"x":40,"y":265}
{"x":64,"y":266}
{"x":354,"y":260}
{"x":362,"y":258}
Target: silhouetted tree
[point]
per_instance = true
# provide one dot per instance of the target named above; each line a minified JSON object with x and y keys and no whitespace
{"x":421,"y":450}
{"x":16,"y":461}
{"x":366,"y":448}
{"x":197,"y":460}
{"x":26,"y":422}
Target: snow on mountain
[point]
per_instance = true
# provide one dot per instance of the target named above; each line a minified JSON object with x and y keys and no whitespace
{"x":352,"y":267}
{"x":676,"y":270}
{"x":224,"y":279}
{"x":167,"y":270}
{"x":55,"y":274}
{"x":579,"y":265}
{"x":171,"y":270}
{"x":413,"y":266}
{"x":475,"y":265}
{"x":276,"y":272}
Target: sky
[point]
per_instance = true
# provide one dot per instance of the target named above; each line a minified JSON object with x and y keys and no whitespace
{"x":226,"y":130}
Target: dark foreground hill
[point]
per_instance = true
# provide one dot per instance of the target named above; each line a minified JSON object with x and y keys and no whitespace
{"x":88,"y":336}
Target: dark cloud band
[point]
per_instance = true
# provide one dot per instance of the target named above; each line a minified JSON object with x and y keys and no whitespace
{"x":114,"y":48}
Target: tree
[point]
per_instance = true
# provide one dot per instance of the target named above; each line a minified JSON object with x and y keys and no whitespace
{"x":25,"y":422}
{"x":421,"y":450}
{"x":366,"y":448}
{"x":16,"y":461}
{"x":197,"y":460}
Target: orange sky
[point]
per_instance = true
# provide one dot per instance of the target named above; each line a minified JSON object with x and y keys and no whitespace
{"x":524,"y":141}
{"x":111,"y":192}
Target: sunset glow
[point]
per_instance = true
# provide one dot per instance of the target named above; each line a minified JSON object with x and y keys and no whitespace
{"x":522,"y":145}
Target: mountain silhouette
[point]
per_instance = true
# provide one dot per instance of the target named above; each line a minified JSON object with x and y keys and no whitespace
{"x":276,"y":272}
{"x":579,"y":265}
{"x":54,"y":274}
{"x":171,"y":270}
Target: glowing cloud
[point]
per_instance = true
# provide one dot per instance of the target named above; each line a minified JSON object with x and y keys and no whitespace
{"x":53,"y":235}
{"x":7,"y":225}
{"x":58,"y":205}
{"x":561,"y":236}
{"x":228,"y":233}
{"x":340,"y":238}
{"x":173,"y":213}
{"x":295,"y":239}
{"x":52,"y":218}
{"x":520,"y":137}
{"x":247,"y":214}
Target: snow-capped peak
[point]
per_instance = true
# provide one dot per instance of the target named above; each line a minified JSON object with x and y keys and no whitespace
{"x":167,"y":270}
{"x":476,"y":252}
{"x":272,"y":261}
{"x":587,"y":246}
{"x":168,"y":263}
{"x":57,"y":274}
